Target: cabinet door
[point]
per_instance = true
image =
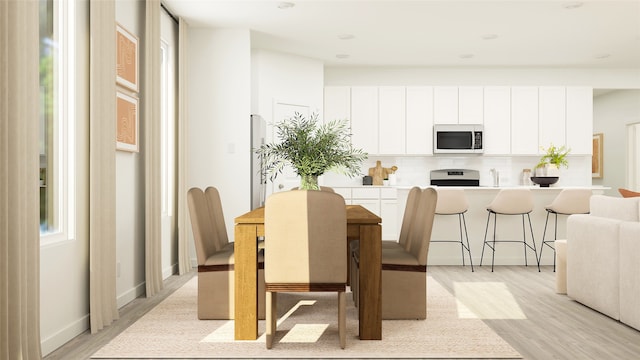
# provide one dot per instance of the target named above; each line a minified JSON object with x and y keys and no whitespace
{"x":445,"y":105}
{"x":392,"y":120}
{"x":497,"y":120}
{"x":524,"y":120}
{"x":337,"y":103}
{"x":580,"y":120}
{"x":419,"y":120}
{"x":470,"y":105}
{"x":551,"y":117}
{"x":364,"y":118}
{"x":389,"y":215}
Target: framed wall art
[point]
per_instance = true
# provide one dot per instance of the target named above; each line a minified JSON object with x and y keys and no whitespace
{"x":596,"y":159}
{"x":126,"y":122}
{"x":126,"y":58}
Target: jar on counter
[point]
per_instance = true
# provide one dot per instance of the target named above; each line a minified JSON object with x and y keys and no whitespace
{"x":526,"y":177}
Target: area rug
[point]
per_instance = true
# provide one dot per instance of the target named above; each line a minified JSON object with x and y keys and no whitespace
{"x":308,"y":328}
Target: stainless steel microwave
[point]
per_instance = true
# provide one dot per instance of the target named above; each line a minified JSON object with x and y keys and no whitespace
{"x":457,"y":139}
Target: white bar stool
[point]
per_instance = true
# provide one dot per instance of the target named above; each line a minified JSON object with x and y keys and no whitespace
{"x":454,"y":202}
{"x":510,"y":202}
{"x":568,"y":202}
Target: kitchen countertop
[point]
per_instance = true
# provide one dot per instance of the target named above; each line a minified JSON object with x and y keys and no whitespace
{"x":475,"y":188}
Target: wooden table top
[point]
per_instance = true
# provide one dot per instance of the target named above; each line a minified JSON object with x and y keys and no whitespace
{"x":356,"y":214}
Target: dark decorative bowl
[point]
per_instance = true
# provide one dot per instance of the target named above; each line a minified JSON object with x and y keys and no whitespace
{"x":544,"y":181}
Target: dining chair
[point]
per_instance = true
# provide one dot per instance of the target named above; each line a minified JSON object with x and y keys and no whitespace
{"x":215,"y":257}
{"x":305,"y":234}
{"x":404,"y":271}
{"x":402,"y":242}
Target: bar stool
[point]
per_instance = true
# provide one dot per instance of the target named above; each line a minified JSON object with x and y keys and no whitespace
{"x":454,"y":202}
{"x":568,"y":202}
{"x":510,"y":202}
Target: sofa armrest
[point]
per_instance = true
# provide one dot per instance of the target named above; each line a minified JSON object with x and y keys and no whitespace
{"x":627,"y":209}
{"x":593,"y":258}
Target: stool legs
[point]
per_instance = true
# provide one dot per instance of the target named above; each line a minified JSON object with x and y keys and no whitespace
{"x":462,"y":223}
{"x":492,"y":243}
{"x":548,"y":242}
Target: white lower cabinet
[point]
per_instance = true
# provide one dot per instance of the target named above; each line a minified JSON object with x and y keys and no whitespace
{"x":380,"y":201}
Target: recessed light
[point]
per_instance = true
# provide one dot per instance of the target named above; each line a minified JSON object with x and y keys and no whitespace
{"x":489,"y":36}
{"x":342,"y":56}
{"x":286,"y":5}
{"x":346,"y":36}
{"x":573,"y":5}
{"x":602,"y":56}
{"x":466,"y":56}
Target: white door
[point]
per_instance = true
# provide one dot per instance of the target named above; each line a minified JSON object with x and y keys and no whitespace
{"x":288,"y":178}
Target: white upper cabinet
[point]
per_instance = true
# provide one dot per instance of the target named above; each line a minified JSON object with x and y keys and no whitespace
{"x":551,"y":116}
{"x":445,"y":105}
{"x":470,"y":105}
{"x":579,"y":120}
{"x":337,"y":103}
{"x":392,"y":109}
{"x":364,"y":118}
{"x":524,"y":120}
{"x":496,"y":137}
{"x":419,"y":126}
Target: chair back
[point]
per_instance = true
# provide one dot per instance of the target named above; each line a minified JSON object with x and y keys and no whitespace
{"x":451,"y":201}
{"x":421,"y":226}
{"x":305,"y":237}
{"x":571,"y":201}
{"x":413,"y":198}
{"x":217,"y":217}
{"x":203,"y":231}
{"x":512,"y":202}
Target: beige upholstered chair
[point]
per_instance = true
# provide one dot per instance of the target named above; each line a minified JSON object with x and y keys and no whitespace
{"x":402,"y":243}
{"x":452,"y":201}
{"x":306,"y":236}
{"x":516,"y":201}
{"x":404,"y":272}
{"x":568,"y":202}
{"x":215,"y":257}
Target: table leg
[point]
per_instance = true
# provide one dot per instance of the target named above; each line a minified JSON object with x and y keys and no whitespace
{"x":246,"y":282}
{"x":370,"y":293}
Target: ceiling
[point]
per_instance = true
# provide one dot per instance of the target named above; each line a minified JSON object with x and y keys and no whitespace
{"x":476,"y":33}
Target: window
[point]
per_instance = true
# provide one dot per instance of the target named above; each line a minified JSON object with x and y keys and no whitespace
{"x":56,"y":119}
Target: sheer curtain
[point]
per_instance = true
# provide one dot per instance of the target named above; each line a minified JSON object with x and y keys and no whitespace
{"x":19,"y":188}
{"x":102,"y":165}
{"x":152,"y":151}
{"x":184,"y":260}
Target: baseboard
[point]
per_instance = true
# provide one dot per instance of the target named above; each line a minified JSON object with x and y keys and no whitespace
{"x":63,"y":336}
{"x":169,"y":270}
{"x":131,"y":295}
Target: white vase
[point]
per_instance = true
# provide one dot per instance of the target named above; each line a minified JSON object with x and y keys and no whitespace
{"x":552,"y":170}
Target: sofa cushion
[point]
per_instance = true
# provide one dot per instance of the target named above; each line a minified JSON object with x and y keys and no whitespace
{"x":593,"y":262}
{"x":626,"y":209}
{"x":629,"y":274}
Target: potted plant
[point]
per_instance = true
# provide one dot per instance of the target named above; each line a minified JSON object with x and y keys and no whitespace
{"x":311,"y":149}
{"x":554,"y":158}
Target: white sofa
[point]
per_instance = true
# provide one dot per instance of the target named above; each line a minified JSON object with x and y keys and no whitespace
{"x":603,"y":258}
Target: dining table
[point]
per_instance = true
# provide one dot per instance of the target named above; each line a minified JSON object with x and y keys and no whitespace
{"x":362,"y":225}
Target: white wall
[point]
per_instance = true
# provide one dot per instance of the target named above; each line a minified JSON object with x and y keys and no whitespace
{"x":611,"y":113}
{"x":219,"y":109}
{"x":130,"y":274}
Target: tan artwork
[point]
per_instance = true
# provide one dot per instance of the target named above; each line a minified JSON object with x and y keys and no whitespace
{"x":126,"y":123}
{"x":126,"y":58}
{"x":596,"y":159}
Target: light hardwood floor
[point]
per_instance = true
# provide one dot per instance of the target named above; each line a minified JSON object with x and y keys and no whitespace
{"x":554,"y":326}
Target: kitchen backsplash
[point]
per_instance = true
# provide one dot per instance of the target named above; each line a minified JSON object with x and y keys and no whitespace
{"x":415,"y":170}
